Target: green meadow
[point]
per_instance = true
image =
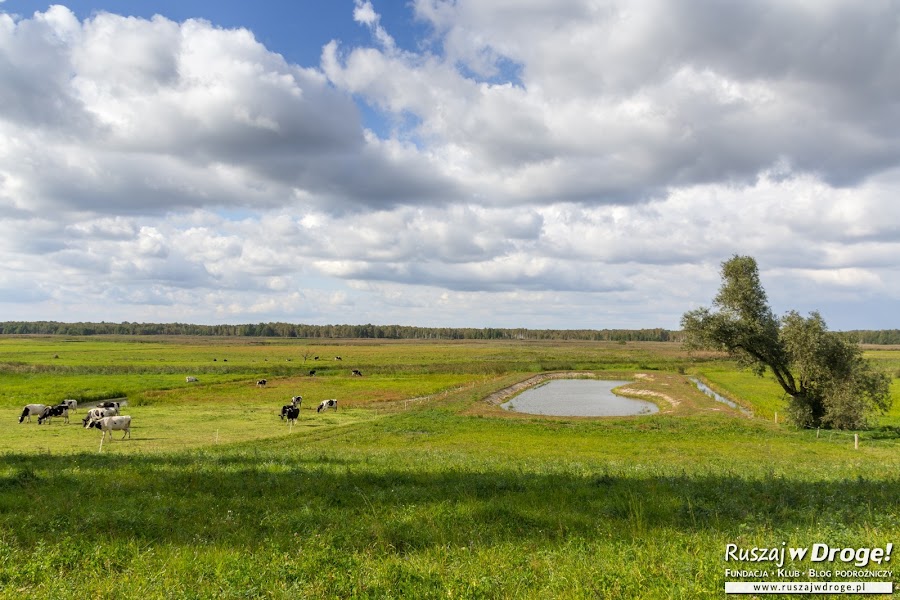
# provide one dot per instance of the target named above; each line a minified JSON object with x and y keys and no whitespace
{"x":417,"y":486}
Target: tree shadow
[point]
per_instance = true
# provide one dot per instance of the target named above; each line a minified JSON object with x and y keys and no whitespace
{"x":247,"y":499}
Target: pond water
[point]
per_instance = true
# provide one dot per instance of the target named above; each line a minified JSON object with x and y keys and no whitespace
{"x":578,"y":398}
{"x":718,"y":397}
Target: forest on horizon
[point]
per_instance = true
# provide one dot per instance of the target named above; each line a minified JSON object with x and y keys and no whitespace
{"x":370,"y":331}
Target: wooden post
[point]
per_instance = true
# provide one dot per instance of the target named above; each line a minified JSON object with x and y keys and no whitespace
{"x":817,"y":433}
{"x":776,"y":417}
{"x":856,"y":441}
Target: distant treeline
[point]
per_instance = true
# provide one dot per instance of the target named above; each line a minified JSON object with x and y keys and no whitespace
{"x":879,"y":336}
{"x":368,"y":331}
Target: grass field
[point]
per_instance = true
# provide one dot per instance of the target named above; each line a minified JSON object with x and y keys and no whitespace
{"x":416,"y":487}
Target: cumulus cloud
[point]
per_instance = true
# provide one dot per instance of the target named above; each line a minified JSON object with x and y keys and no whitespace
{"x":123,"y":115}
{"x":558,"y":163}
{"x":619,"y":102}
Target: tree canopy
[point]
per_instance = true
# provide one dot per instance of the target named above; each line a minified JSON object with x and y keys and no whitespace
{"x":828,"y":381}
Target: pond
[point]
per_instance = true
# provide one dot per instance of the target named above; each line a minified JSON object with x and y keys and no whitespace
{"x":718,"y":397}
{"x":578,"y":398}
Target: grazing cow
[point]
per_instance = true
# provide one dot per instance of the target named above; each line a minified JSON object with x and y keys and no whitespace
{"x":71,"y":404}
{"x":296,"y":401}
{"x":290,"y":413}
{"x":326,"y":404}
{"x":312,"y":373}
{"x":338,"y":358}
{"x":31,"y":409}
{"x":60,"y":410}
{"x":108,"y":404}
{"x":110,"y":424}
{"x":356,"y":372}
{"x":316,"y":358}
{"x":191,"y":379}
{"x":95,"y":414}
{"x":261,"y":383}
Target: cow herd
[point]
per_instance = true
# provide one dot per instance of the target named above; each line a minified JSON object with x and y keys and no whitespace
{"x":45,"y":413}
{"x":291,"y":412}
{"x":105,"y":416}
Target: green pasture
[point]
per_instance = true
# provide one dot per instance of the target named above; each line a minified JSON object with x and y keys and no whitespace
{"x":765,"y":397}
{"x":415,"y":487}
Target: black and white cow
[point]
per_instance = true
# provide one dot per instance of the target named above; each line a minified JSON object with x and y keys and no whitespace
{"x":32,"y":409}
{"x":110,"y":424}
{"x":289,"y":408}
{"x":312,"y":373}
{"x":108,"y":404}
{"x":261,"y":383}
{"x":70,"y":403}
{"x":356,"y":372}
{"x":60,"y":410}
{"x":190,"y":379}
{"x":95,"y":414}
{"x":290,"y":413}
{"x":326,"y":404}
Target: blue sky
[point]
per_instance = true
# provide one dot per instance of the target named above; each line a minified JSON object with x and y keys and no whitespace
{"x":296,"y":29}
{"x":546,"y":164}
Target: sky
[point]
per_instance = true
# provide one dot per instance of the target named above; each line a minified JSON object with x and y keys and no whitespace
{"x":547,"y":164}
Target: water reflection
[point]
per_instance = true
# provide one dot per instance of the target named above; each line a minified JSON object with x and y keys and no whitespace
{"x":718,"y":397}
{"x":578,"y":398}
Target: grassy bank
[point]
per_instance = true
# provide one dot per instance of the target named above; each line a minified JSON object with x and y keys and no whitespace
{"x":431,"y":504}
{"x":420,"y":489}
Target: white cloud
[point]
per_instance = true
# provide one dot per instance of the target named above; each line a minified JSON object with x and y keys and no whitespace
{"x":364,"y":13}
{"x":123,"y":115}
{"x":846,"y":278}
{"x":548,"y":163}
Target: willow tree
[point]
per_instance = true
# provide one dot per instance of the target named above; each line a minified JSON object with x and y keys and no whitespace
{"x":826,"y":379}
